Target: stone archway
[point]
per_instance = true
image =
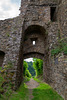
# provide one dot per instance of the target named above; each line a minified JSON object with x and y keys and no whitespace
{"x":40,"y":50}
{"x":33,"y":55}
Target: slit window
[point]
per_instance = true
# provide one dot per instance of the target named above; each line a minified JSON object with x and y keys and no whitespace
{"x":34,"y":42}
{"x":32,"y":0}
{"x":53,"y":14}
{"x":2,"y":54}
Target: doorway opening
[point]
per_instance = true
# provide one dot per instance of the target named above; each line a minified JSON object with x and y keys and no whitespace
{"x":34,"y":42}
{"x":32,"y":68}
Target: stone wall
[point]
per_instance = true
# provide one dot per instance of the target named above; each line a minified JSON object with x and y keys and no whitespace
{"x":34,"y":22}
{"x":59,"y":73}
{"x":34,"y":35}
{"x":62,"y":18}
{"x":10,"y":34}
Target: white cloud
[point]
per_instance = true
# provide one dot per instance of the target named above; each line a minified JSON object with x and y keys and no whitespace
{"x":8,"y":9}
{"x":28,"y":60}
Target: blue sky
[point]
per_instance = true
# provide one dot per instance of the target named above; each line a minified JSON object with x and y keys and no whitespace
{"x":16,"y":1}
{"x":9,"y":8}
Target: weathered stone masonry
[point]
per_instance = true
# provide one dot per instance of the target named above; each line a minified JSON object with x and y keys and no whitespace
{"x":39,"y":21}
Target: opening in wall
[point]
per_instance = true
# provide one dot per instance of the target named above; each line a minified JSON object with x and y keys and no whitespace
{"x":32,"y":0}
{"x":34,"y":42}
{"x":2,"y":54}
{"x":53,"y":14}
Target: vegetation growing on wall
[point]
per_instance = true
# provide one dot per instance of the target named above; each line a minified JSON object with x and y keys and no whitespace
{"x":6,"y":81}
{"x":61,"y":48}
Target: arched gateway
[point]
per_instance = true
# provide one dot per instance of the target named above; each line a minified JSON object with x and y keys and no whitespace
{"x":34,"y":43}
{"x":35,"y":38}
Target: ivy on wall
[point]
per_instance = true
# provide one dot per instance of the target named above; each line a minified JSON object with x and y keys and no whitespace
{"x":61,"y":48}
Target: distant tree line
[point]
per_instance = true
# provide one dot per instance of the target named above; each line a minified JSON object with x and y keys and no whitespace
{"x":32,"y":69}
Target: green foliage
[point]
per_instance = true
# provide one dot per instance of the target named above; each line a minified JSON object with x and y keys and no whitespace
{"x":21,"y":94}
{"x":5,"y":82}
{"x":27,"y":73}
{"x":65,"y":50}
{"x":37,"y":80}
{"x":26,"y":79}
{"x":25,"y":66}
{"x":7,"y":34}
{"x":38,"y":65}
{"x":31,"y":68}
{"x":61,"y":48}
{"x":45,"y":92}
{"x":55,"y":51}
{"x":25,"y":69}
{"x":1,"y":82}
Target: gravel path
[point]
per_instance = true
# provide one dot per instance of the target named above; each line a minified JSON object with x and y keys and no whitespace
{"x":31,"y":85}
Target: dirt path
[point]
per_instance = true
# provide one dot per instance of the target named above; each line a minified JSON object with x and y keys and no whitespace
{"x":31,"y":85}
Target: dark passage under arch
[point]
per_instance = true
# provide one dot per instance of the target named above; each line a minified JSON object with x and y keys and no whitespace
{"x":2,"y":54}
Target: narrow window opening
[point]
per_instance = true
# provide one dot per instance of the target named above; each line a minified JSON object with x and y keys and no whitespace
{"x":2,"y":54}
{"x":53,"y":14}
{"x":34,"y":42}
{"x":32,"y":0}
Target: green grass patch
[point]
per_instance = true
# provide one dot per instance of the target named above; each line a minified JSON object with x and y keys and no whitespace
{"x":37,"y":80}
{"x":0,"y":68}
{"x":45,"y":92}
{"x":20,"y":94}
{"x":26,"y":79}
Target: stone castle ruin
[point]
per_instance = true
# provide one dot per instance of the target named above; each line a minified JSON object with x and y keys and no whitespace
{"x":33,"y":34}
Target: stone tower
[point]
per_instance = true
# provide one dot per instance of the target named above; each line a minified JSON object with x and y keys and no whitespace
{"x":33,"y":34}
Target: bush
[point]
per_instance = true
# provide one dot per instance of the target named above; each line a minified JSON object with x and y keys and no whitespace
{"x":5,"y":81}
{"x":25,"y":70}
{"x":27,"y":73}
{"x":38,"y":65}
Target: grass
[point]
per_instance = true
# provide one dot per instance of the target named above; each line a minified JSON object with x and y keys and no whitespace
{"x":45,"y":92}
{"x":22,"y":93}
{"x":42,"y":92}
{"x":37,"y":80}
{"x":26,"y":79}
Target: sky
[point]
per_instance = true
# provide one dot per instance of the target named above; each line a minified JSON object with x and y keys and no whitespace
{"x":28,"y":60}
{"x":9,"y":8}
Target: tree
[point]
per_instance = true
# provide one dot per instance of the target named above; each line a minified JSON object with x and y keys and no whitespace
{"x":25,"y":70}
{"x":38,"y":65}
{"x":31,"y":68}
